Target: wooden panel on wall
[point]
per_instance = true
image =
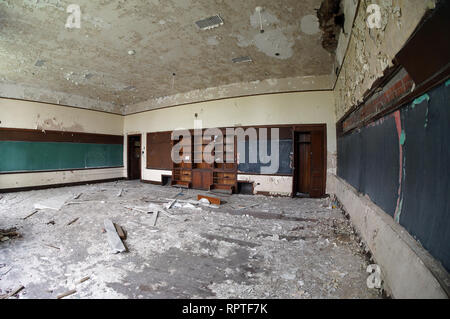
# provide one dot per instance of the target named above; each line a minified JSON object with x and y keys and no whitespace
{"x":158,"y":150}
{"x":28,"y":135}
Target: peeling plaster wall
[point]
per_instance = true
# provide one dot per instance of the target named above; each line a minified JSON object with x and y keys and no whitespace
{"x":371,"y":51}
{"x":33,"y":115}
{"x":285,"y":108}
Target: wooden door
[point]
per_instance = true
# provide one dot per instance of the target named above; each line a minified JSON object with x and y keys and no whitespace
{"x":134,"y":157}
{"x":317,"y":188}
{"x":304,"y":165}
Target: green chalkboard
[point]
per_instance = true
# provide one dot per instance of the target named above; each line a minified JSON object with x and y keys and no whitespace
{"x":41,"y":156}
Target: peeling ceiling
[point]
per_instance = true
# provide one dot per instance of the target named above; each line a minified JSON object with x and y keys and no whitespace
{"x":129,"y":55}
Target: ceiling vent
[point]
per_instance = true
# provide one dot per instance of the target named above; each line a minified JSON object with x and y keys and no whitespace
{"x":210,"y":23}
{"x":242,"y":59}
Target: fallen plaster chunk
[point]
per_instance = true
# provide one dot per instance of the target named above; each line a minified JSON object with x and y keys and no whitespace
{"x":113,"y":238}
{"x":120,"y":193}
{"x":204,"y":201}
{"x":190,"y":206}
{"x":54,"y":203}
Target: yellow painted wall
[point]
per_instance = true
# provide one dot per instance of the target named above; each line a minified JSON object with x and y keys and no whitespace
{"x":284,"y":108}
{"x":33,"y":115}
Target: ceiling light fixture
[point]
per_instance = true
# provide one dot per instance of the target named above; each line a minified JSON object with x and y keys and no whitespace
{"x":210,"y":23}
{"x":242,"y":59}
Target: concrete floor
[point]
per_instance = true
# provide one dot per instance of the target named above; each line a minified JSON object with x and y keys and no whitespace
{"x":249,"y":247}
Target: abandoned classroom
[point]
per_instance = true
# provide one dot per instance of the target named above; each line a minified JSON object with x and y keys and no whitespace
{"x":224,"y":149}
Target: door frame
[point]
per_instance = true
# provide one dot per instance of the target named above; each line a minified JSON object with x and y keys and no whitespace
{"x":128,"y":156}
{"x":307,"y":128}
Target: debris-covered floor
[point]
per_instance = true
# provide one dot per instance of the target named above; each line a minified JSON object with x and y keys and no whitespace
{"x":248,"y":247}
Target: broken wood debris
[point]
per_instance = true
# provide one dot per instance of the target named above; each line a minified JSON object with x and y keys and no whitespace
{"x":212,"y":200}
{"x":73,"y":221}
{"x":155,"y":217}
{"x":30,"y":214}
{"x":83,"y":280}
{"x":77,"y":196}
{"x":51,"y":246}
{"x":68,"y":293}
{"x":120,"y":232}
{"x":14,"y":292}
{"x":113,"y":238}
{"x":6,"y":234}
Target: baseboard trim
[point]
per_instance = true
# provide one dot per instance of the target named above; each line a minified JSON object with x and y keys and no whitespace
{"x":31,"y":188}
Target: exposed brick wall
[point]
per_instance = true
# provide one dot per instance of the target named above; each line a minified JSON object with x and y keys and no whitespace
{"x":399,"y":86}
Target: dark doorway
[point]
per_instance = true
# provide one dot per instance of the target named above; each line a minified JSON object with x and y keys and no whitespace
{"x":304,"y":163}
{"x":310,"y":161}
{"x":134,"y":156}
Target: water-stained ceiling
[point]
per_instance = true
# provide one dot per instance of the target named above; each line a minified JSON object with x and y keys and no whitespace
{"x":133,"y":55}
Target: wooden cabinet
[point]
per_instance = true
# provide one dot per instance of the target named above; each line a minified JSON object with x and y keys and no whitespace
{"x":205,"y":170}
{"x":202,"y":179}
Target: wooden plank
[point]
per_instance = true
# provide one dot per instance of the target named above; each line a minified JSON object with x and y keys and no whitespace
{"x":12,"y":293}
{"x":68,"y":293}
{"x":30,"y":214}
{"x":212,"y":200}
{"x":73,"y":221}
{"x":113,"y":238}
{"x":83,"y":279}
{"x":31,"y":135}
{"x":120,"y":232}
